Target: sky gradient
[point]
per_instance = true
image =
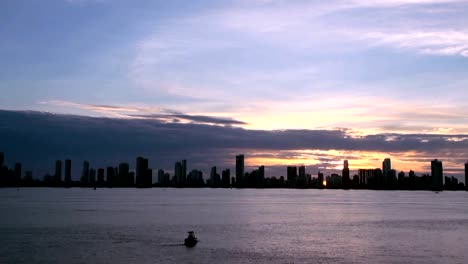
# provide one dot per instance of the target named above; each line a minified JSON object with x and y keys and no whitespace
{"x":388,"y":69}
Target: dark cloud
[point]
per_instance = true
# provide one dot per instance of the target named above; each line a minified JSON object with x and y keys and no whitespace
{"x":38,"y":139}
{"x":201,"y":119}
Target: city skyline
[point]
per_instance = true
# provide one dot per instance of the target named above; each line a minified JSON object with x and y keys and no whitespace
{"x":285,"y":82}
{"x":384,"y":178}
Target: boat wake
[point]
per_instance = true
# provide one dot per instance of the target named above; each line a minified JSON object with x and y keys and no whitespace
{"x":171,"y":245}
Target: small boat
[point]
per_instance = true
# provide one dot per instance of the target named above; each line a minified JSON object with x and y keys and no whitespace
{"x":191,"y":240}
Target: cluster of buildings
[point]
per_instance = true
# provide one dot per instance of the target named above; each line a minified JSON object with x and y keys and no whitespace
{"x":384,"y":178}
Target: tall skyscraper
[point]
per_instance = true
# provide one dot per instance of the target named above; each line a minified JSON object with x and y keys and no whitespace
{"x":346,"y":180}
{"x":58,"y":172}
{"x":178,"y":171}
{"x":149,"y":177}
{"x":92,"y":177}
{"x":320,"y":180}
{"x":291,"y":174}
{"x":466,"y":176}
{"x":213,"y":175}
{"x":261,"y":172}
{"x":111,"y":175}
{"x":226,"y":177}
{"x":239,"y":169}
{"x":124,"y":175}
{"x":85,"y":174}
{"x":67,"y":173}
{"x":437,"y":175}
{"x":161,"y":179}
{"x":141,"y":171}
{"x":2,"y":159}
{"x":100,"y":177}
{"x":386,"y":166}
{"x":184,"y":171}
{"x":302,"y":172}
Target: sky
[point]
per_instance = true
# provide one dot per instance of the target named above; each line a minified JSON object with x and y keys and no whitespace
{"x":366,"y":71}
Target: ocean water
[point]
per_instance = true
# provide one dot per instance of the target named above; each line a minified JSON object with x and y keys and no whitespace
{"x":47,"y":225}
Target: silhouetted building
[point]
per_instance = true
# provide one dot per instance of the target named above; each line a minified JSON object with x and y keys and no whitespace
{"x":141,"y":172}
{"x":389,"y":175}
{"x":302,"y":172}
{"x":226,"y":176}
{"x":28,"y":179}
{"x":125,"y":178}
{"x":364,"y":175}
{"x":58,"y":172}
{"x":320,"y":180}
{"x":291,"y":175}
{"x":214,"y":177}
{"x":67,"y":173}
{"x":2,"y":169}
{"x":401,"y":175}
{"x":466,"y":176}
{"x":195,"y":179}
{"x":346,"y":180}
{"x":92,"y":177}
{"x":17,"y":174}
{"x":386,"y":166}
{"x":178,"y":170}
{"x":239,"y":169}
{"x":85,"y":174}
{"x":100,"y":177}
{"x":111,"y":175}
{"x":161,"y":179}
{"x":184,"y":171}
{"x":261,"y":171}
{"x":451,"y":183}
{"x":437,"y":175}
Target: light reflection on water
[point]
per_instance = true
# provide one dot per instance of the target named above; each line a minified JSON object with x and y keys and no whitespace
{"x":234,"y":226}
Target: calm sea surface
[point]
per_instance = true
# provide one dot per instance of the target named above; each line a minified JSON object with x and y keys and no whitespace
{"x":46,"y":225}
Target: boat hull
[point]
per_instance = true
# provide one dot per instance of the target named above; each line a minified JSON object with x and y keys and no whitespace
{"x":190,"y":242}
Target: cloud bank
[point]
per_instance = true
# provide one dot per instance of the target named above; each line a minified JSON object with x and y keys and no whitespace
{"x":38,"y":139}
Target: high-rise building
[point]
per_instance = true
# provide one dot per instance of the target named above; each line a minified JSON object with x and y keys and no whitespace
{"x":58,"y":172}
{"x":124,"y":175}
{"x":437,"y":175}
{"x":111,"y":176}
{"x":386,"y":166}
{"x":85,"y":174}
{"x":320,"y":180}
{"x":291,"y":175}
{"x":149,"y":177}
{"x":184,"y":171}
{"x":239,"y":169}
{"x":346,"y":181}
{"x":213,"y":175}
{"x":401,"y":176}
{"x":161,"y":179}
{"x":92,"y":177}
{"x":17,"y":173}
{"x":302,"y":172}
{"x":67,"y":173}
{"x":226,"y":176}
{"x":2,"y":169}
{"x":466,"y":176}
{"x":100,"y":177}
{"x":261,"y":172}
{"x":141,"y":171}
{"x":178,"y":171}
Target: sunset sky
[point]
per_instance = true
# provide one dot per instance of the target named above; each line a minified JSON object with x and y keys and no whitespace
{"x":391,"y":74}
